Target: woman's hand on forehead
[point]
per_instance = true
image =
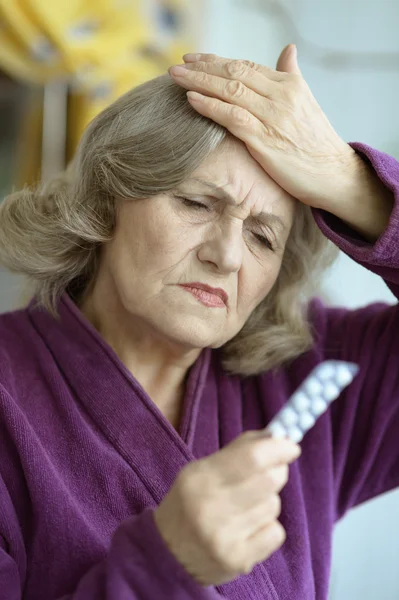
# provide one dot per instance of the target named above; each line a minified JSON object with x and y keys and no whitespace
{"x":275,"y":114}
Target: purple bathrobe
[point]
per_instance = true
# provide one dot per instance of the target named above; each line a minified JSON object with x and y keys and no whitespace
{"x":86,"y":455}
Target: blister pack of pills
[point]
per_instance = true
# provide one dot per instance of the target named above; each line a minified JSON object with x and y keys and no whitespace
{"x":311,"y":399}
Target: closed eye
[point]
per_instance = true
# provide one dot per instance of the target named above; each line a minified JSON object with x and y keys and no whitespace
{"x":193,"y":204}
{"x":263,"y":240}
{"x":199,"y":206}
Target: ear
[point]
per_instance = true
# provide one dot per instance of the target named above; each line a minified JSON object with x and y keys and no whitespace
{"x":287,"y":60}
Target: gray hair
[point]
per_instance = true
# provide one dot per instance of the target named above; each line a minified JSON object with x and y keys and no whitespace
{"x":145,"y":143}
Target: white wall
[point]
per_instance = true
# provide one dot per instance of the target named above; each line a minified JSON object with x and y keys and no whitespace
{"x":362,"y":106}
{"x":10,"y":287}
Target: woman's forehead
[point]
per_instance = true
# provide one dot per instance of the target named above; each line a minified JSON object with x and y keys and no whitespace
{"x":261,"y":205}
{"x":231,"y":174}
{"x":232,"y":168}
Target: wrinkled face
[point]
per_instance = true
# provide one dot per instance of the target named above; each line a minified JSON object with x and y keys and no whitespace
{"x":225,"y":227}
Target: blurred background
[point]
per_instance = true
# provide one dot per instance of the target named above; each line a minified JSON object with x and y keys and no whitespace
{"x":62,"y":62}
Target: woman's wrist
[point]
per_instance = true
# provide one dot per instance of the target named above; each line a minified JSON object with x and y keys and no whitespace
{"x":361,"y":200}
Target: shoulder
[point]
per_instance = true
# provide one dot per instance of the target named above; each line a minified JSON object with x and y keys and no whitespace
{"x":336,"y":328}
{"x":340,"y":333}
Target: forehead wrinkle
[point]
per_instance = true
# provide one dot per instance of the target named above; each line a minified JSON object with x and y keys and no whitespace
{"x":263,"y":217}
{"x":216,"y":188}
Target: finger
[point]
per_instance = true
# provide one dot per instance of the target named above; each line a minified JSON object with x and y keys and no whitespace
{"x":239,"y":121}
{"x":206,"y":57}
{"x":250,"y":493}
{"x":252,"y":75}
{"x":254,"y":460}
{"x":211,"y":59}
{"x":254,"y":457}
{"x":288,"y":61}
{"x":265,"y":541}
{"x":257,"y":547}
{"x":272,"y":453}
{"x":256,"y":517}
{"x":232,"y":91}
{"x":253,"y":489}
{"x":276,"y":478}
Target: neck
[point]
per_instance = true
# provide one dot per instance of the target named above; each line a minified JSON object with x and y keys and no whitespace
{"x":158,"y":364}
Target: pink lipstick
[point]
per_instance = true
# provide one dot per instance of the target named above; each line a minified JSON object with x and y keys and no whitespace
{"x":211,"y":297}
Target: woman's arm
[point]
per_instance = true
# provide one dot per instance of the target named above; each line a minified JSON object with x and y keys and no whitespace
{"x":364,"y":421}
{"x":377,"y":250}
{"x":361,"y":198}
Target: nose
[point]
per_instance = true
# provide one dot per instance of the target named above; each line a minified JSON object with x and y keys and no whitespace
{"x":224,"y":247}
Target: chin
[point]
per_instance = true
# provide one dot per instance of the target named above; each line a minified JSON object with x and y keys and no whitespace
{"x":192,"y":332}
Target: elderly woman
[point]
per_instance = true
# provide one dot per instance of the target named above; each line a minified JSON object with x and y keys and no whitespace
{"x":172,"y":269}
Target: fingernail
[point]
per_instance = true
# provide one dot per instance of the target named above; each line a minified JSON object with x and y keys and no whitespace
{"x":178,"y":71}
{"x":195,"y":96}
{"x":191,"y":57}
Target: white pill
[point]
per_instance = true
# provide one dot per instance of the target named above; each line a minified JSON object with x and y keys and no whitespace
{"x":300,"y":401}
{"x":318,"y":406}
{"x":343,"y":376}
{"x":331,"y":391}
{"x":288,"y":416}
{"x":306,"y":421}
{"x":277,"y":430}
{"x":295,"y":434}
{"x":314,"y":387}
{"x":326,"y":371}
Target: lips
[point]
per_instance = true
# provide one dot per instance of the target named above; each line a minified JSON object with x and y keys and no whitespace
{"x":207,"y":288}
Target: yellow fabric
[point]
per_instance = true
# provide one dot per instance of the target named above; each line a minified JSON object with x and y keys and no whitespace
{"x":100,"y":46}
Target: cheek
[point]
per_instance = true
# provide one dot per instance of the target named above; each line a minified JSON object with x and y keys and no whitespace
{"x":255,"y":284}
{"x":151,"y":240}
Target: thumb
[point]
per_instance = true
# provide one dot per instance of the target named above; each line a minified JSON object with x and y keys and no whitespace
{"x":287,"y":60}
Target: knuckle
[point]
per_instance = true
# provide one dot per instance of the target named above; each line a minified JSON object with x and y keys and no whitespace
{"x":278,"y":534}
{"x":236,"y":68}
{"x":250,"y":64}
{"x":271,"y":480}
{"x":205,"y":57}
{"x":198,"y":66}
{"x":231,"y":559}
{"x":241,"y":565}
{"x":240,"y":116}
{"x":253,"y":458}
{"x":275,"y":505}
{"x":235,"y":89}
{"x":276,"y":478}
{"x":201,"y":77}
{"x":284,"y":474}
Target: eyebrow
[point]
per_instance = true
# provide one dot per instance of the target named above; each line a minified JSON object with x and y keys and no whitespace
{"x":262,"y":217}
